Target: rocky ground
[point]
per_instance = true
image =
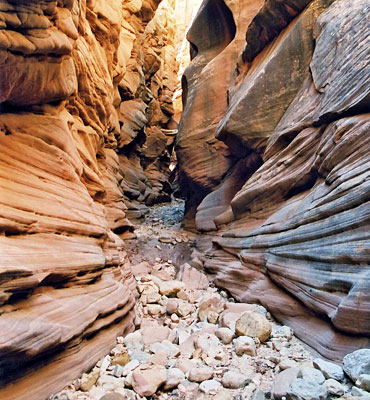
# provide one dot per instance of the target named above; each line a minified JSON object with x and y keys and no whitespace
{"x":195,"y":342}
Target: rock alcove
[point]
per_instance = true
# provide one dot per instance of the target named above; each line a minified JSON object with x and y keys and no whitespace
{"x":272,"y":153}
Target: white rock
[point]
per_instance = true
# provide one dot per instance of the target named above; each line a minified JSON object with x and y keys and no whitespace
{"x":128,"y":380}
{"x":234,"y":380}
{"x":287,"y":363}
{"x":363,"y":382}
{"x":174,"y":377}
{"x":282,"y":332}
{"x":131,"y":365}
{"x":210,"y":386}
{"x":226,"y":335}
{"x":175,"y":318}
{"x":205,"y":341}
{"x":105,"y":364}
{"x":117,"y":372}
{"x":200,"y":373}
{"x":155,"y":309}
{"x":357,"y":363}
{"x":334,"y":388}
{"x":184,"y":309}
{"x":301,"y":389}
{"x":312,"y":375}
{"x":167,"y":347}
{"x":244,"y":345}
{"x":329,"y":369}
{"x":134,"y":341}
{"x":360,"y":393}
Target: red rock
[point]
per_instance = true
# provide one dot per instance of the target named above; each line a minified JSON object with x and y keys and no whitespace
{"x":66,"y":193}
{"x":288,"y":216}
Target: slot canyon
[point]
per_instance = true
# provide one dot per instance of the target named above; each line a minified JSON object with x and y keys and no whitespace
{"x":184,"y":199}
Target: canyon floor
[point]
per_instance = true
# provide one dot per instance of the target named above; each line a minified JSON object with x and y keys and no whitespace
{"x":193,"y":341}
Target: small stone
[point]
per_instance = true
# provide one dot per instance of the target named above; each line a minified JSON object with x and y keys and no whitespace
{"x":234,"y":380}
{"x":282,"y":382}
{"x":182,"y":335}
{"x":334,"y":388}
{"x":226,"y":335}
{"x":254,"y":325}
{"x":360,"y":393}
{"x":228,"y":319}
{"x":89,"y":380}
{"x":175,"y":318}
{"x":153,"y":332}
{"x":287,"y":363}
{"x":185,"y":365}
{"x":212,"y":305}
{"x":210,"y":386}
{"x":363,"y":382}
{"x":128,"y":380}
{"x":205,"y":341}
{"x":283,"y":332}
{"x":117,"y":372}
{"x":129,"y":367}
{"x":105,"y":364}
{"x":120,"y":339}
{"x":301,"y":389}
{"x":244,"y":345}
{"x":154,"y":309}
{"x":141,"y":356}
{"x":133,"y":341}
{"x":184,"y":309}
{"x":357,"y":363}
{"x":170,"y":288}
{"x":312,"y":375}
{"x":212,"y":317}
{"x":165,"y":239}
{"x":183,"y":295}
{"x":159,"y":358}
{"x":174,"y":377}
{"x":172,"y":305}
{"x":152,"y":297}
{"x":147,"y":378}
{"x":329,"y":369}
{"x":121,"y":359}
{"x":166,"y":346}
{"x":200,"y":373}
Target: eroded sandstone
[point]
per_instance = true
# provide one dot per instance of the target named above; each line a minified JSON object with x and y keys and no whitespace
{"x":288,"y":212}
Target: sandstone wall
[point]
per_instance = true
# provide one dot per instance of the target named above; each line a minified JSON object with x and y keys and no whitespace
{"x":79,"y":81}
{"x":273,"y":149}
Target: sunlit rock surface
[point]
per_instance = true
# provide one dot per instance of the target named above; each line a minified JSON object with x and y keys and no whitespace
{"x":80,"y":81}
{"x":273,"y":148}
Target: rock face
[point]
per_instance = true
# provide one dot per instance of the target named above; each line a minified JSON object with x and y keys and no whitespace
{"x":79,"y":81}
{"x":273,"y":151}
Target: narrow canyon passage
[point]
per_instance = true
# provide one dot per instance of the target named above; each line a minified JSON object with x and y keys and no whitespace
{"x":186,"y":329}
{"x":183,"y":185}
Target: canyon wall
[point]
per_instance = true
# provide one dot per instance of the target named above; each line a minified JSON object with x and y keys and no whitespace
{"x":273,"y":152}
{"x":86,"y":131}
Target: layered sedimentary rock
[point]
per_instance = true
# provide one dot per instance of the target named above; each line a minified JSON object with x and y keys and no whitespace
{"x":69,"y":127}
{"x":147,"y":127}
{"x":273,"y":148}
